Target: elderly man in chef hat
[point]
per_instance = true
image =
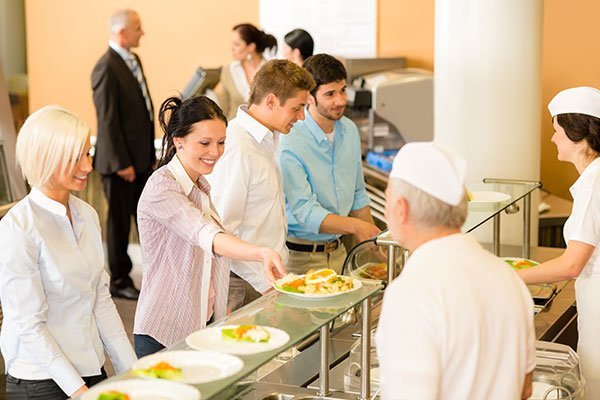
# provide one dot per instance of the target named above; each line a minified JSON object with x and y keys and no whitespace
{"x":458,"y":322}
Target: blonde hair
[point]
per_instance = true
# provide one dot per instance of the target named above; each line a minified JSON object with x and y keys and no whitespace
{"x":51,"y":140}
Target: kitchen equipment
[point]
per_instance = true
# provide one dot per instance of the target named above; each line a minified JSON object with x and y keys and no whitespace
{"x":557,"y":374}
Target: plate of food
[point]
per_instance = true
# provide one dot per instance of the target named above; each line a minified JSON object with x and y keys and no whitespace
{"x":519,"y":263}
{"x":317,"y":284}
{"x":187,"y":366}
{"x":238,"y":339}
{"x":486,"y":197}
{"x":138,"y":389}
{"x":371,"y":271}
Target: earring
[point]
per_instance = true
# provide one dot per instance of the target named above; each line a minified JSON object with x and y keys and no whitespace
{"x":248,"y":56}
{"x":180,"y":147}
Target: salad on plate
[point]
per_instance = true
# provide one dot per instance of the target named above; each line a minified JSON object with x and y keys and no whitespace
{"x":246,"y":333}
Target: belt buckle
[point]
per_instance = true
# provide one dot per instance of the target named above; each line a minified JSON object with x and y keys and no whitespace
{"x":332,"y":246}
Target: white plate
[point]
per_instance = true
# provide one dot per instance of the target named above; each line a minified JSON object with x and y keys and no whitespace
{"x":138,"y":389}
{"x":485,"y":196}
{"x":196,"y":366}
{"x":212,"y":339}
{"x":357,"y":285}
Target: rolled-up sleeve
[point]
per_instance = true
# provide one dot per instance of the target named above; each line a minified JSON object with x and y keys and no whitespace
{"x":300,"y":197}
{"x":22,"y":295}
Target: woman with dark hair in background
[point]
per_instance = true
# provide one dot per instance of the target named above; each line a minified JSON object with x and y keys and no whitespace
{"x":576,"y":118}
{"x":299,"y":45}
{"x":248,"y":43}
{"x":185,"y":279}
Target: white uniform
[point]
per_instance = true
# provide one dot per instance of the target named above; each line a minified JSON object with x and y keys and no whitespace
{"x":584,"y":226}
{"x":456,"y":324}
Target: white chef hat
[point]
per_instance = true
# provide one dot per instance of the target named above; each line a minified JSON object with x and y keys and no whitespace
{"x":432,"y":168}
{"x":579,"y":100}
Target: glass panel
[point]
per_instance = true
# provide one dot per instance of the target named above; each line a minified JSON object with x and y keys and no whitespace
{"x":5,"y":195}
{"x":482,"y":212}
{"x":298,"y":317}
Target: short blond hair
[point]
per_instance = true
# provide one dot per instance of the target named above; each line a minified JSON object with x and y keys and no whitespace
{"x":51,"y":140}
{"x":283,"y":78}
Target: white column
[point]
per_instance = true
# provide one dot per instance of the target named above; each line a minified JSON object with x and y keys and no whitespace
{"x":487,"y":88}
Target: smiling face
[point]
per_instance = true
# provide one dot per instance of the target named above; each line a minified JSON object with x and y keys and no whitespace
{"x":200,"y":149}
{"x":330,"y":100}
{"x":285,"y":116}
{"x":76,"y":179}
{"x":567,"y":149}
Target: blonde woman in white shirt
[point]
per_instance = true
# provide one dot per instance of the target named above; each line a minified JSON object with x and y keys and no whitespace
{"x":58,"y":314}
{"x":576,"y":118}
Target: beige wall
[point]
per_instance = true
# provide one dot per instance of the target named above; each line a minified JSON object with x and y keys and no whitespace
{"x":66,"y":37}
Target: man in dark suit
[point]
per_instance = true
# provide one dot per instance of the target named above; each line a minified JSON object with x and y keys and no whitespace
{"x":125,"y":143}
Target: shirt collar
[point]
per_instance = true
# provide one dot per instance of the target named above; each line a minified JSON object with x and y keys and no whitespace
{"x":184,"y":179}
{"x":124,"y":53}
{"x":316,"y":130}
{"x":47,"y":203}
{"x":589,"y":170}
{"x":257,"y":130}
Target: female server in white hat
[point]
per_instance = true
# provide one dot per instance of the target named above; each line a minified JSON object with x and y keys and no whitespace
{"x":576,"y":119}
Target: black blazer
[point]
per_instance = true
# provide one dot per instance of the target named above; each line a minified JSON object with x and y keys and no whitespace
{"x":125,"y":129}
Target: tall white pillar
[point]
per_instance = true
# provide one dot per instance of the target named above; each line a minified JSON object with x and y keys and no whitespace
{"x":487,"y":87}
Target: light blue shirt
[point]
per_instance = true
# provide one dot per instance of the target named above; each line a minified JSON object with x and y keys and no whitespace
{"x":320,"y":177}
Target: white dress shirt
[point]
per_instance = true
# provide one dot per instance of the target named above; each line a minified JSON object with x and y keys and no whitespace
{"x":58,"y":314}
{"x":247,"y":192}
{"x":457,"y":324}
{"x":583,"y":226}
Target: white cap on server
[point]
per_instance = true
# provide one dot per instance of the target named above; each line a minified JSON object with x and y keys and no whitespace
{"x":578,"y":100}
{"x":432,"y":168}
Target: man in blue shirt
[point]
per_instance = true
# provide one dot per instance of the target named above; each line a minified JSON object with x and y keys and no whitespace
{"x":322,"y":174}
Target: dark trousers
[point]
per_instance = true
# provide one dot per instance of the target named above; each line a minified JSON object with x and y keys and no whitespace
{"x":145,"y":345}
{"x":122,"y":198}
{"x":240,"y":293}
{"x":45,"y":389}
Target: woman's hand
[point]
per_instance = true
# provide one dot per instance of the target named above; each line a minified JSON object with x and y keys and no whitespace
{"x":272,"y":262}
{"x":79,"y":392}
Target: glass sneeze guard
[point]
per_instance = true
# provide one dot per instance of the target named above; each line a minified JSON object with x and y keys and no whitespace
{"x":481,"y":213}
{"x":298,"y":317}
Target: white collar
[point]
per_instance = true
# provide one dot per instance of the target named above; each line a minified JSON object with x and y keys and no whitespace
{"x":257,"y":130}
{"x":590,"y":169}
{"x":180,"y":175}
{"x":47,"y":203}
{"x":124,"y":53}
{"x":53,"y":206}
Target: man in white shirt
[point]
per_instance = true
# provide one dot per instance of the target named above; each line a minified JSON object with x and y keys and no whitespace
{"x":458,"y":322}
{"x":246,"y":185}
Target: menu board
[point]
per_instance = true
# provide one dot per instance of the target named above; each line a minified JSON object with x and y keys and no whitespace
{"x":345,"y":28}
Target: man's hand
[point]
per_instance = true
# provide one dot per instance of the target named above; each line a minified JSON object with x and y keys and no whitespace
{"x":127,"y":174}
{"x":273,"y":265}
{"x":364,"y":230}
